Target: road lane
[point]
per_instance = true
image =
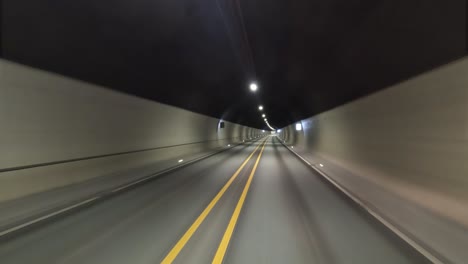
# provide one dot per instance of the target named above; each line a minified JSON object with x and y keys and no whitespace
{"x":223,"y":245}
{"x":289,"y":215}
{"x":137,"y":226}
{"x":293,"y":216}
{"x":179,"y":246}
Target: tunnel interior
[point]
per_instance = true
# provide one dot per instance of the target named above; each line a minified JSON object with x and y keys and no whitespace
{"x":233,"y":131}
{"x":306,"y":56}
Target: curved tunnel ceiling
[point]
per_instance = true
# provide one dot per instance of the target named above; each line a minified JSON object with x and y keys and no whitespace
{"x":307,"y":55}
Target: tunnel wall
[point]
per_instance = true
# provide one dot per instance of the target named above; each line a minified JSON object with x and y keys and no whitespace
{"x":411,"y":139}
{"x":57,"y":131}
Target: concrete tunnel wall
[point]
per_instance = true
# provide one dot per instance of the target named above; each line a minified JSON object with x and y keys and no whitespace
{"x":411,"y":138}
{"x":47,"y":118}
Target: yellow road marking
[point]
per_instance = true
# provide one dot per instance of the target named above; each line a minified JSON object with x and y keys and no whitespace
{"x":219,"y":256}
{"x":188,"y":234}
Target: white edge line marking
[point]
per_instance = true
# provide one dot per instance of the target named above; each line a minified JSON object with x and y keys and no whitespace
{"x":168,"y":170}
{"x":161,"y":172}
{"x":382,"y":220}
{"x":48,"y":216}
{"x":18,"y":227}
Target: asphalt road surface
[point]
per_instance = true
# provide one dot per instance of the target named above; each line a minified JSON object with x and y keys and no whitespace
{"x":256,"y":203}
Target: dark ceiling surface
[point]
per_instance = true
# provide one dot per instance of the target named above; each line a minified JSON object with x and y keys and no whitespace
{"x":307,"y":56}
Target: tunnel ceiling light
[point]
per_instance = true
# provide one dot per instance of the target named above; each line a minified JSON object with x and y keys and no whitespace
{"x":181,"y":160}
{"x":263,"y":115}
{"x":321,"y":165}
{"x":279,"y":130}
{"x":260,"y":107}
{"x":253,"y":87}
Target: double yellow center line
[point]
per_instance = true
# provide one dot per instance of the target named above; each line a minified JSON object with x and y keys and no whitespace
{"x":232,"y":223}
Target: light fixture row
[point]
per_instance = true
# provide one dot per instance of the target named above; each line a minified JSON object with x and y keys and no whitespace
{"x":266,"y":121}
{"x":254,"y":88}
{"x":260,"y":107}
